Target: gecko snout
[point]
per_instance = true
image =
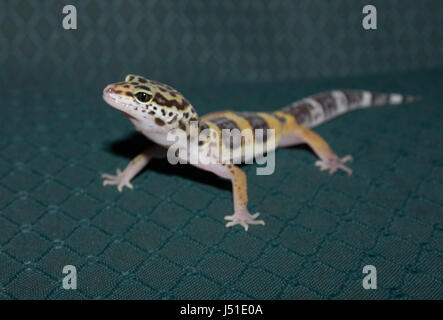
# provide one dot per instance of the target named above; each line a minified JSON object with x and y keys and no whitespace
{"x":109,"y":89}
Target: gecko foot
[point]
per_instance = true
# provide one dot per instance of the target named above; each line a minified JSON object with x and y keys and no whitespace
{"x":244,"y":219}
{"x":333,"y":164}
{"x":120,"y":180}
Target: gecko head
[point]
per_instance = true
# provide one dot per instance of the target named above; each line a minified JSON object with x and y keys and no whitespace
{"x":150,"y":104}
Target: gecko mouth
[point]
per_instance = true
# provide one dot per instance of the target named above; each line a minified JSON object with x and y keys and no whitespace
{"x":108,"y":96}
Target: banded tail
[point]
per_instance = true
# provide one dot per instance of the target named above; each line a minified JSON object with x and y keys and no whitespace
{"x":325,"y":106}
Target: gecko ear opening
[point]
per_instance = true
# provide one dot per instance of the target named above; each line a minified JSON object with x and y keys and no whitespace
{"x":130,"y":77}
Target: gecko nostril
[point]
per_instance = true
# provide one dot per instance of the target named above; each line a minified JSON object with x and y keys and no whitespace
{"x":109,"y":89}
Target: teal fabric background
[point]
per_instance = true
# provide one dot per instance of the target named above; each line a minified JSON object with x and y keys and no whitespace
{"x":202,"y":41}
{"x":166,"y":238}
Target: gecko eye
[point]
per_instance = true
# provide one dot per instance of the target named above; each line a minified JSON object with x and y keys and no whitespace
{"x":143,"y":97}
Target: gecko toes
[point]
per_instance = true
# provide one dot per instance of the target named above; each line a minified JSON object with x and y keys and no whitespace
{"x":119,"y":180}
{"x":244,"y":219}
{"x":334,"y":164}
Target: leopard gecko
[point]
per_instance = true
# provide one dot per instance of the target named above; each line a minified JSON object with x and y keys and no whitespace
{"x":155,"y":109}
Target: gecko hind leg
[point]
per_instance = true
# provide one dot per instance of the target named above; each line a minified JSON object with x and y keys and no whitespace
{"x":328,"y":159}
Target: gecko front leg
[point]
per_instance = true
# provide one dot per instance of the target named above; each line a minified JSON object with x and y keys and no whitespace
{"x":123,"y":179}
{"x":241,"y":214}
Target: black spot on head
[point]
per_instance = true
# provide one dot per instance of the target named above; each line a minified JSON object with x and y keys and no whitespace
{"x":143,"y":88}
{"x":160,"y":99}
{"x":159,"y":122}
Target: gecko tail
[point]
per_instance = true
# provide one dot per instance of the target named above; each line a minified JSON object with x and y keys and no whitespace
{"x":411,"y":99}
{"x":322,"y":107}
{"x":380,"y":99}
